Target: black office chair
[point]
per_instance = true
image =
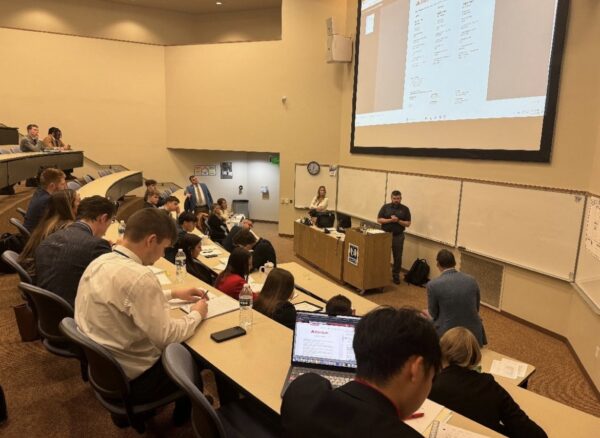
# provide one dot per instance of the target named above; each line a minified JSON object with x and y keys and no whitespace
{"x":236,"y":419}
{"x":17,"y":223}
{"x":50,"y":310}
{"x":109,"y":381}
{"x":21,"y":212}
{"x":11,"y":258}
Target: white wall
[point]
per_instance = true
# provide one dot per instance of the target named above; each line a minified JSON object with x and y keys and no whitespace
{"x":250,"y":169}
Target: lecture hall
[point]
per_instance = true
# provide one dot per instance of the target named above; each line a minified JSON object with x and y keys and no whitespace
{"x":300,"y":218}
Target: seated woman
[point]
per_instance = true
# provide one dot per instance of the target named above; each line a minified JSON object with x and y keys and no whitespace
{"x":233,"y":278}
{"x":222,"y":203}
{"x":217,"y":225}
{"x":192,"y":245}
{"x":273,"y":300}
{"x":61,"y":211}
{"x":461,"y":387}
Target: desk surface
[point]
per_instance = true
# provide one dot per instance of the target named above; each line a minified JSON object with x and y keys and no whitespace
{"x":101,"y":186}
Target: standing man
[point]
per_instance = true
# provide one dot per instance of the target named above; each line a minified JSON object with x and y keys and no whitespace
{"x":31,"y":142}
{"x":395,"y":218}
{"x":198,"y":196}
{"x":51,"y":180}
{"x":453,"y":299}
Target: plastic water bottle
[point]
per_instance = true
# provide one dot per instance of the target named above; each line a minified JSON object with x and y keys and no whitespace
{"x":180,"y":266}
{"x":121,"y":229}
{"x":246,"y":307}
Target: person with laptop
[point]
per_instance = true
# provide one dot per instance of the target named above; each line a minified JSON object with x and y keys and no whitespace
{"x":397,"y":355}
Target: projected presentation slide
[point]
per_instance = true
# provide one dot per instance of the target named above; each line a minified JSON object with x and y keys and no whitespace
{"x":457,"y":75}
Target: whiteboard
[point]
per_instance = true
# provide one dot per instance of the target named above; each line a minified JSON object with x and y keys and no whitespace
{"x":361,"y":193}
{"x":306,"y":186}
{"x":588,"y":266}
{"x":433,"y":204}
{"x":534,"y":229}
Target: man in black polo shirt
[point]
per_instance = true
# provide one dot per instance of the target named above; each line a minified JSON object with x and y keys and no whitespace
{"x":394,"y":218}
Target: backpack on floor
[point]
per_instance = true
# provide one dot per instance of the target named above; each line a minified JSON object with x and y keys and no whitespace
{"x":418,"y":273}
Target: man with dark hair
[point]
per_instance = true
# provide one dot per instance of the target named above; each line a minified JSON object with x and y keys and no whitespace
{"x":262,"y":249}
{"x":31,"y":142}
{"x":62,"y":257}
{"x":228,"y":241}
{"x":339,"y":305}
{"x":395,"y":218}
{"x":152,"y":186}
{"x":171,"y":205}
{"x":198,"y":196}
{"x":51,"y":180}
{"x":397,"y":355}
{"x":151,"y":199}
{"x":453,"y":299}
{"x":120,"y":304}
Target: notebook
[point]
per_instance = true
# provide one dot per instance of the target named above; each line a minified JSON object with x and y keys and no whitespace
{"x":322,"y":344}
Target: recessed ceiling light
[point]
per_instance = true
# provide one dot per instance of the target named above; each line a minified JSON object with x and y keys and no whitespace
{"x":219,"y":3}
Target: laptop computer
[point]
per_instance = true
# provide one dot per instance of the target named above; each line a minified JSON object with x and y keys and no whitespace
{"x":323,"y":344}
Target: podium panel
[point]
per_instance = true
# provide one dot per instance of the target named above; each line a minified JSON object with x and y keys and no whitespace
{"x":367,"y":259}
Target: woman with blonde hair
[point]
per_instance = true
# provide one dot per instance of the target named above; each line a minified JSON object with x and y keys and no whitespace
{"x":273,"y":300}
{"x":60,"y":212}
{"x":318,"y":204}
{"x":463,"y":388}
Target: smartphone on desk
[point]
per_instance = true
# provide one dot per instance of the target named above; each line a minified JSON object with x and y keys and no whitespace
{"x":210,"y":256}
{"x":230,"y":333}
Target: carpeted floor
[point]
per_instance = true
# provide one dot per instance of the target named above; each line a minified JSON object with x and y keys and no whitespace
{"x":46,"y":396}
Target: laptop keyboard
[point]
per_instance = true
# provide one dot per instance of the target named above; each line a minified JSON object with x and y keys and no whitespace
{"x":337,"y":378}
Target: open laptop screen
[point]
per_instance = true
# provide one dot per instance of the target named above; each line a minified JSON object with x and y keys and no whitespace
{"x":324,"y":340}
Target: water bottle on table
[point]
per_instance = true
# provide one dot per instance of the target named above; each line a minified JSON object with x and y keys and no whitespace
{"x":180,"y":266}
{"x":246,"y":299}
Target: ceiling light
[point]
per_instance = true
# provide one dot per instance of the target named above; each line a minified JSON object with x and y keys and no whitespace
{"x":219,"y":3}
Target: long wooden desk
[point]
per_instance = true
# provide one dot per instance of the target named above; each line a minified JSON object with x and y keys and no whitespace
{"x":20,"y":166}
{"x":113,"y":186}
{"x":324,"y":251}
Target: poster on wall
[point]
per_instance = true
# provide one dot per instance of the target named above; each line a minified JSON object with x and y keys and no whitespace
{"x":226,"y":170}
{"x":205,"y":170}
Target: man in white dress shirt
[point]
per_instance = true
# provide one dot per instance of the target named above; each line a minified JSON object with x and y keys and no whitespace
{"x":120,"y":304}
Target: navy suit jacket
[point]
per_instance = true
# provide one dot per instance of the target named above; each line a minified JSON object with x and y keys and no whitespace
{"x":453,"y":301}
{"x":36,"y":209}
{"x":192,"y":201}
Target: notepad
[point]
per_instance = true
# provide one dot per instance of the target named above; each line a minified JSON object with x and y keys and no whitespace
{"x":217,"y":306}
{"x":176,"y":303}
{"x":163,"y":279}
{"x":508,"y":368}
{"x":156,"y":270}
{"x":220,"y":267}
{"x":445,"y":430}
{"x":431,"y":410}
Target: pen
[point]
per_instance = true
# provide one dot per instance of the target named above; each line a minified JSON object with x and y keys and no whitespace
{"x":416,"y":415}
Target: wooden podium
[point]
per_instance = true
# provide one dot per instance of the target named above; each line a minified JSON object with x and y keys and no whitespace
{"x":324,"y":251}
{"x":367,"y":259}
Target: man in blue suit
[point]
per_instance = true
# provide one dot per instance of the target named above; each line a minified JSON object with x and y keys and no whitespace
{"x":453,"y":299}
{"x":198,"y":196}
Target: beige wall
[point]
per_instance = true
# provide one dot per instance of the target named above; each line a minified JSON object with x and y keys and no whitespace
{"x":228,"y":97}
{"x":99,"y":19}
{"x":547,"y":302}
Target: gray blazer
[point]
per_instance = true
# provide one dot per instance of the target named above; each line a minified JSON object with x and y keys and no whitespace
{"x":453,"y":301}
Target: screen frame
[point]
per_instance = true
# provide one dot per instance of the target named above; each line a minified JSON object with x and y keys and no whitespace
{"x":542,"y":155}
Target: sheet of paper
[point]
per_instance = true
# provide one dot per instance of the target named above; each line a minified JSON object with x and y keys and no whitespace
{"x":220,"y":267}
{"x":445,"y":430}
{"x":156,"y":270}
{"x":176,"y":303}
{"x":163,"y":279}
{"x":224,"y":260}
{"x":374,"y":231}
{"x":519,"y":366}
{"x":503,"y":369}
{"x":430,"y":410}
{"x":217,"y":306}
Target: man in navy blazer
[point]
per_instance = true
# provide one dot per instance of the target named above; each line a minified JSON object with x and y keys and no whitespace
{"x":198,"y":196}
{"x":453,"y":299}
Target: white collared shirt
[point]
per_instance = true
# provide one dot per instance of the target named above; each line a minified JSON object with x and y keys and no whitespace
{"x":121,"y":306}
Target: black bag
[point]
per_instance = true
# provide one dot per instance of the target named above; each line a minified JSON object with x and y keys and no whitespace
{"x":3,"y":410}
{"x":12,"y":242}
{"x":418,"y":273}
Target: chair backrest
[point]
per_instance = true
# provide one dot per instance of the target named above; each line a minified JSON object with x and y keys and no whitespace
{"x":21,"y":211}
{"x":180,"y":367}
{"x":88,"y":178}
{"x":19,"y":226}
{"x":73,"y":185}
{"x":12,"y":258}
{"x":50,"y":309}
{"x":105,"y":373}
